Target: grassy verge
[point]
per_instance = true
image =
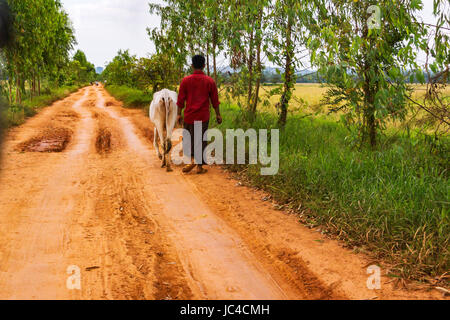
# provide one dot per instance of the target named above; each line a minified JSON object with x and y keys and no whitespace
{"x":131,"y":98}
{"x":17,"y":114}
{"x":391,"y":203}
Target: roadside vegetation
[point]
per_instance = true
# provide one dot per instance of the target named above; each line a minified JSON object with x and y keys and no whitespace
{"x":364,"y":155}
{"x":390,"y":204}
{"x":131,"y":97}
{"x":36,"y":65}
{"x":15,"y":115}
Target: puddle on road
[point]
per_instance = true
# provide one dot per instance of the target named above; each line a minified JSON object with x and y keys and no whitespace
{"x":103,"y":141}
{"x":52,"y":140}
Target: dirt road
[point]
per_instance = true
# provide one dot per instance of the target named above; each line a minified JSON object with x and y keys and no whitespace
{"x":100,"y":202}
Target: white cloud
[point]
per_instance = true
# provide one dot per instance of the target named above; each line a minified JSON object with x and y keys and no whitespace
{"x":105,"y":26}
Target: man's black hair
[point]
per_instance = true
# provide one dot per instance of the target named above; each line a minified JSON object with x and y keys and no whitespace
{"x":198,"y":61}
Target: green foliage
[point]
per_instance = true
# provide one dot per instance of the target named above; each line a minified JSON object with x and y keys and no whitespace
{"x":77,"y":71}
{"x":154,"y":73}
{"x":43,"y":37}
{"x":120,"y":71}
{"x":391,"y":203}
{"x":157,"y":72}
{"x":366,"y":64}
{"x":131,"y":98}
{"x":189,"y":27}
{"x":16,"y":114}
{"x":285,"y":33}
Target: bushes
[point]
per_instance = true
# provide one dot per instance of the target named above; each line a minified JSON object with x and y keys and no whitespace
{"x":131,"y":98}
{"x":392,"y":202}
{"x":17,"y":114}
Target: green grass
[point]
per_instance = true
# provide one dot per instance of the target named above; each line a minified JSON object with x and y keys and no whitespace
{"x":17,"y":114}
{"x":131,"y":98}
{"x":392,"y":203}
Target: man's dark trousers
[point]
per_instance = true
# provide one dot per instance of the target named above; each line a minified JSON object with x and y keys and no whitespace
{"x":193,"y":145}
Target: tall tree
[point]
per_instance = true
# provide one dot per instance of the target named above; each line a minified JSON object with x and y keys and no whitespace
{"x":363,"y":49}
{"x":121,"y":70}
{"x":245,"y":35}
{"x":285,"y":36}
{"x":436,"y":45}
{"x":180,"y":32}
{"x":43,"y":37}
{"x":214,"y":30}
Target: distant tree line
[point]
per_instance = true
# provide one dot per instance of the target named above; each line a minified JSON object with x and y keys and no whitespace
{"x":148,"y":74}
{"x":361,"y":49}
{"x":39,"y":52}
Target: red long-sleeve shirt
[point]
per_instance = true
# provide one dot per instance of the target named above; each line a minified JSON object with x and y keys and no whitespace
{"x":197,"y":91}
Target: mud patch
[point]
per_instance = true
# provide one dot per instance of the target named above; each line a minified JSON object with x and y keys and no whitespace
{"x":304,"y":279}
{"x":111,"y":103}
{"x":52,"y":140}
{"x":90,"y":103}
{"x":103,"y":141}
{"x":66,"y":116}
{"x":148,"y":133}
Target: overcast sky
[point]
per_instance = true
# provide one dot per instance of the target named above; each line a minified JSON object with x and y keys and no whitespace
{"x":104,"y":26}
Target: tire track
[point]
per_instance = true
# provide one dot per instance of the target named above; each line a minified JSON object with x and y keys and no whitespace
{"x":218,"y":264}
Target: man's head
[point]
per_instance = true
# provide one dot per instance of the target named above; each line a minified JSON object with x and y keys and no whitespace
{"x":198,"y":62}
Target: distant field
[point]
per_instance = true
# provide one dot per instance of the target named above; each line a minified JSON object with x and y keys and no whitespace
{"x":308,"y":99}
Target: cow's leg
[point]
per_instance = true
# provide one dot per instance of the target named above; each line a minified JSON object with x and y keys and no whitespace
{"x":168,"y":162}
{"x":156,"y":144}
{"x":160,"y":129}
{"x":171,"y":119}
{"x":164,"y":157}
{"x":167,"y":148}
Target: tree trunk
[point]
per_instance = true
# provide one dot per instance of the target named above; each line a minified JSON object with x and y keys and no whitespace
{"x":370,"y":127}
{"x":39,"y":85}
{"x":34,"y":84}
{"x":207,"y":58}
{"x":214,"y":36}
{"x":258,"y":67}
{"x":250,"y":72}
{"x":288,"y":75}
{"x":18,"y":98}
{"x":372,"y":131}
{"x":258,"y":80}
{"x":10,"y":90}
{"x":22,"y":88}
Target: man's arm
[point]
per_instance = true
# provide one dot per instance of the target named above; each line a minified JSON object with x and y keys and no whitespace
{"x":215,"y":102}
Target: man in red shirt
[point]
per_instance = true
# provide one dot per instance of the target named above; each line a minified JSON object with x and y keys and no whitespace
{"x":197,"y":92}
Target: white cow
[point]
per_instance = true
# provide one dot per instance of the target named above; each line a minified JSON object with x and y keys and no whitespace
{"x":163,"y":113}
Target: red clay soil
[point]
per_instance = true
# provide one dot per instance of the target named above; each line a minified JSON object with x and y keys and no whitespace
{"x":105,"y":206}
